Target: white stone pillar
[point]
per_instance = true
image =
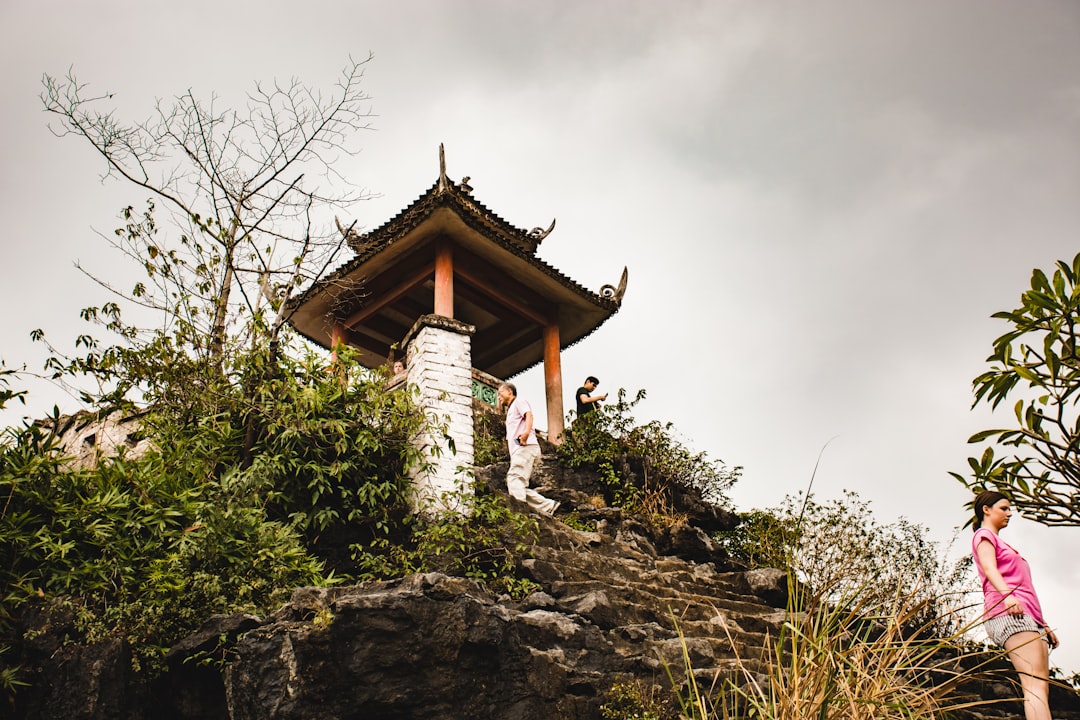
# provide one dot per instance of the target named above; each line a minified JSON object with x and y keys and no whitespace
{"x":438,"y":353}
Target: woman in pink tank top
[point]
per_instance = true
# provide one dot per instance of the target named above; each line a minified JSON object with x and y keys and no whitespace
{"x":1012,"y":614}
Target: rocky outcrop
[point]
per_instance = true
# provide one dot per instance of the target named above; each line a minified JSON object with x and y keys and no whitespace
{"x":619,"y":602}
{"x":434,"y":646}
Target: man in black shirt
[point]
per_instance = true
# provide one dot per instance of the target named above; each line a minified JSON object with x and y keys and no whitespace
{"x":586,"y":402}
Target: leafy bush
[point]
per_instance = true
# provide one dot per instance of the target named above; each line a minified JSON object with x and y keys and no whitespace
{"x":574,"y":520}
{"x":489,"y":438}
{"x":763,"y":539}
{"x":606,"y":438}
{"x":839,"y":550}
{"x":633,"y":700}
{"x":332,"y":454}
{"x":213,"y":518}
{"x":486,"y":542}
{"x":140,"y":551}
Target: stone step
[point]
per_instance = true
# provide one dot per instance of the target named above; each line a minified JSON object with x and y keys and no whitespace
{"x":594,"y":564}
{"x":687,"y":605}
{"x":704,"y":650}
{"x":556,"y":565}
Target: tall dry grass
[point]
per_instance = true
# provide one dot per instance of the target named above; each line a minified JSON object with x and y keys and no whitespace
{"x":846,"y":660}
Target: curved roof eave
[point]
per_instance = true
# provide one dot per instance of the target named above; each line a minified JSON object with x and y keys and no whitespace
{"x":471,"y":212}
{"x":449,"y":209}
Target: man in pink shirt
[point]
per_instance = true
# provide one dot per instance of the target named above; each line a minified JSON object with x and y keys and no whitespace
{"x":524,"y":450}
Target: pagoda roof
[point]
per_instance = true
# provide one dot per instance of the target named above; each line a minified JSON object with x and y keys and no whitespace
{"x":500,"y":285}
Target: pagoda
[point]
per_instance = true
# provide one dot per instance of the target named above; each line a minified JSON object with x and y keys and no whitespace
{"x":462,"y":295}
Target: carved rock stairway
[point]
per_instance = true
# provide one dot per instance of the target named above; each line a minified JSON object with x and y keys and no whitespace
{"x":612,"y":609}
{"x":433,"y":646}
{"x":649,"y":607}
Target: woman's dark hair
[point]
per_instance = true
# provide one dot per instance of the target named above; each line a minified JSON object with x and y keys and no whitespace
{"x":984,"y":499}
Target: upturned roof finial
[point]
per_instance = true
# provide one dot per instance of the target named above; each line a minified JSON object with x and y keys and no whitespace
{"x":443,"y":182}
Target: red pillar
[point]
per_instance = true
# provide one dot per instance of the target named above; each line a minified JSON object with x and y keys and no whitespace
{"x":444,"y":280}
{"x":553,"y":382}
{"x":337,"y":337}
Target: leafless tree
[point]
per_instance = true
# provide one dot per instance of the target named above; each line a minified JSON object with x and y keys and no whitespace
{"x":250,"y":190}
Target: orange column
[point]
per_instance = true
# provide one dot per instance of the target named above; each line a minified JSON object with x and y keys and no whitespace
{"x":444,"y":280}
{"x":337,"y":337}
{"x":553,"y":382}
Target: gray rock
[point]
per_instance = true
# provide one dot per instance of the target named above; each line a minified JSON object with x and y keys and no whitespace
{"x":622,"y":603}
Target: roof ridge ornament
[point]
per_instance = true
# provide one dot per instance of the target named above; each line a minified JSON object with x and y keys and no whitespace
{"x":349,"y":233}
{"x":353,"y":239}
{"x":537,"y":234}
{"x":444,"y":182}
{"x":615,"y":293}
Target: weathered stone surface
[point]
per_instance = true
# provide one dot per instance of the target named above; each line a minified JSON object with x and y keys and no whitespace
{"x":429,"y":646}
{"x":86,"y":437}
{"x":769,"y":584}
{"x":613,"y":606}
{"x":83,"y":681}
{"x":432,"y":646}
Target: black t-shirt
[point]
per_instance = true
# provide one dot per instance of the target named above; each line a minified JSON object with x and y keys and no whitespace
{"x":583,"y":408}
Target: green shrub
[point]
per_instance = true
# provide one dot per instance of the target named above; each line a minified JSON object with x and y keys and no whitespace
{"x":763,"y":539}
{"x":144,"y":551}
{"x":633,"y":700}
{"x":213,"y":518}
{"x":489,"y":437}
{"x":838,"y":549}
{"x":605,"y":439}
{"x":486,"y":542}
{"x":574,"y":520}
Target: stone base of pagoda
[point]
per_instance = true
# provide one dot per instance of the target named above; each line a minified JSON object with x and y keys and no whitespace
{"x":438,"y":355}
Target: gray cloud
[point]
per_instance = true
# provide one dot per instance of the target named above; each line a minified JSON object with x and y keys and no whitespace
{"x":820,"y":204}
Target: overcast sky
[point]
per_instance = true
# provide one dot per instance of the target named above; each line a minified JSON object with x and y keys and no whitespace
{"x":820,"y":203}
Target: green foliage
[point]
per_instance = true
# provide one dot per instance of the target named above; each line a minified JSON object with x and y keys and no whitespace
{"x":603,"y":441}
{"x":6,"y":393}
{"x":763,"y":539}
{"x":1035,"y":363}
{"x":142,"y":551}
{"x":332,"y":451}
{"x":250,"y":487}
{"x":489,"y":438}
{"x":215,"y":518}
{"x":10,"y":676}
{"x":574,"y":520}
{"x":839,"y":550}
{"x":633,"y":700}
{"x":600,"y":436}
{"x":486,"y":542}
